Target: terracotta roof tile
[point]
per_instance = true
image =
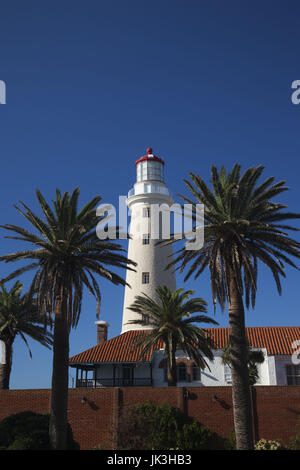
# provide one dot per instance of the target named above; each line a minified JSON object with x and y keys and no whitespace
{"x":118,"y":349}
{"x":276,"y":340}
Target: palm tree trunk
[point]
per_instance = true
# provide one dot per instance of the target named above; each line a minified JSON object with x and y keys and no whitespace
{"x":171,"y":361}
{"x":5,"y":366}
{"x":59,"y":391}
{"x":240,"y":379}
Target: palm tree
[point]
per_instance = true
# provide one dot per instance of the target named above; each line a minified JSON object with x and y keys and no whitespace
{"x":173,"y":324}
{"x":241,"y":227}
{"x":65,"y":254}
{"x":254,"y":357}
{"x":18,"y":316}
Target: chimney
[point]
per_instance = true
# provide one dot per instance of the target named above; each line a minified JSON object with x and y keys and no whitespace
{"x":102,"y":327}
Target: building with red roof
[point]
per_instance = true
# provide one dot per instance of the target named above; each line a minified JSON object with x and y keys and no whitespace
{"x":118,"y":362}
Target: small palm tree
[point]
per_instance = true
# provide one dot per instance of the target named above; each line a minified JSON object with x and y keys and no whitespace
{"x":18,"y":316}
{"x":65,"y":254}
{"x":242,"y":225}
{"x":173,"y":324}
{"x":253,"y":359}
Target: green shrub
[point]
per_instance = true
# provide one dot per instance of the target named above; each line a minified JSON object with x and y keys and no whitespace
{"x":294,"y":443}
{"x":230,"y":442}
{"x":28,"y":431}
{"x":194,"y":436}
{"x":98,"y":447}
{"x":33,"y":441}
{"x":160,"y":427}
{"x":22,"y":425}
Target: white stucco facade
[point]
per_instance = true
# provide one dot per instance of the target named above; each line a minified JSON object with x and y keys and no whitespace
{"x":273,"y":371}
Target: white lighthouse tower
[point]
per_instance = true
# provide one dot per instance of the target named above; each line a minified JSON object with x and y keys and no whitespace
{"x":151,"y":259}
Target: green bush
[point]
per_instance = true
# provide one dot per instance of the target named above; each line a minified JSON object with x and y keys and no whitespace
{"x":230,"y":442}
{"x":194,"y":436}
{"x":28,"y":431}
{"x":294,"y":443}
{"x":160,"y":427}
{"x":37,"y":440}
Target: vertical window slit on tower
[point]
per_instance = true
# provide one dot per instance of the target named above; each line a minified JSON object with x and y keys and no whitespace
{"x":146,"y":239}
{"x":145,"y":278}
{"x":146,"y":212}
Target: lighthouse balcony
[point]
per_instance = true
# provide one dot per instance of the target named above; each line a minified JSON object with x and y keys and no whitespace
{"x":150,"y":187}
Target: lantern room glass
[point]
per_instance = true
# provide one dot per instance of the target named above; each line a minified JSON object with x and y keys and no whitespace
{"x":149,"y":170}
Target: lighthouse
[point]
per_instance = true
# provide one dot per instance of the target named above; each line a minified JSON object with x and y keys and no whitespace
{"x":148,"y":194}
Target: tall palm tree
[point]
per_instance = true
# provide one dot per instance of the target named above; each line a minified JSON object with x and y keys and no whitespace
{"x":18,"y":316}
{"x":65,"y":254}
{"x":241,"y":227}
{"x":173,"y":324}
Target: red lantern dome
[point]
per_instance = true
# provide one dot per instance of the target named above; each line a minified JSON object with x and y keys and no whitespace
{"x":149,"y":156}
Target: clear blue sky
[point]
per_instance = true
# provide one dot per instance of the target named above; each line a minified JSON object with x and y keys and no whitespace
{"x":91,"y":84}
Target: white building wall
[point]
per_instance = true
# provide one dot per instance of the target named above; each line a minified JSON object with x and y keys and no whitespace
{"x":215,"y":374}
{"x":213,"y":377}
{"x":277,"y":369}
{"x":280,"y":366}
{"x":271,"y":372}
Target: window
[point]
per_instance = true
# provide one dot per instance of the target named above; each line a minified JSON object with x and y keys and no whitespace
{"x":181,"y":372}
{"x":144,"y":171}
{"x":145,"y":278}
{"x":149,"y":170}
{"x":127,"y":375}
{"x":146,"y":212}
{"x":139,"y":172}
{"x":154,"y":171}
{"x":293,"y":374}
{"x":146,"y":239}
{"x":227,"y":374}
{"x":127,"y":372}
{"x":196,"y":374}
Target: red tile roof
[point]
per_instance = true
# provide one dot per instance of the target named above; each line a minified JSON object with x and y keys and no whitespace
{"x":276,"y":340}
{"x":118,"y":349}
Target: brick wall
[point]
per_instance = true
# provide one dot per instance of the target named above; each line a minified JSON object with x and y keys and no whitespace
{"x":92,"y":422}
{"x":276,"y":409}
